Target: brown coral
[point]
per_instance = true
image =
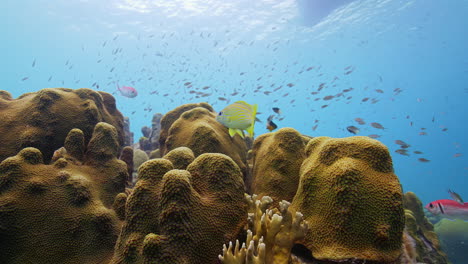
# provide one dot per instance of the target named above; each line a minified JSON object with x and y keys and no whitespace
{"x":43,"y":119}
{"x":419,"y":228}
{"x":277,"y":158}
{"x":180,"y":157}
{"x":170,"y":117}
{"x":182,"y":216}
{"x":59,"y":213}
{"x":196,"y":128}
{"x":351,"y":199}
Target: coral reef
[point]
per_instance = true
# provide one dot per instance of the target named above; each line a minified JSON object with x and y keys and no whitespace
{"x":43,"y":119}
{"x":351,"y":199}
{"x":419,"y":228}
{"x":127,"y":157}
{"x":182,"y":216}
{"x":170,"y":117}
{"x":155,"y":130}
{"x":271,"y":234}
{"x":180,"y":157}
{"x":453,"y":235}
{"x":150,"y":140}
{"x":128,"y":135}
{"x":60,"y":213}
{"x":139,"y":157}
{"x":277,"y":158}
{"x":194,"y":126}
{"x":155,"y":154}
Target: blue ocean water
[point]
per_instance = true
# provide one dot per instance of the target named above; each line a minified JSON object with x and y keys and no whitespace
{"x":247,"y":49}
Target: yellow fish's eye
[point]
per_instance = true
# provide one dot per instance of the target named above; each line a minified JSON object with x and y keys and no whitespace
{"x":220,"y":113}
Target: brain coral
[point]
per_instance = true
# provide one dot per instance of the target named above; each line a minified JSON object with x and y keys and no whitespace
{"x":170,"y":117}
{"x":180,"y":157}
{"x":277,"y":158}
{"x":43,"y":119}
{"x":182,"y":216}
{"x":351,"y":199}
{"x":59,"y":213}
{"x":197,"y":129}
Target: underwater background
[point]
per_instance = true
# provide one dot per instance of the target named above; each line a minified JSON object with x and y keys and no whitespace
{"x":401,"y":64}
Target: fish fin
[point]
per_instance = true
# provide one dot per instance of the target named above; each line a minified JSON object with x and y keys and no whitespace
{"x":232,"y":132}
{"x":250,"y":129}
{"x":240,"y":132}
{"x":254,"y":110}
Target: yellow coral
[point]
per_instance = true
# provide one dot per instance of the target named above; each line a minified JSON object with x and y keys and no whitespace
{"x":277,"y":158}
{"x":351,"y":199}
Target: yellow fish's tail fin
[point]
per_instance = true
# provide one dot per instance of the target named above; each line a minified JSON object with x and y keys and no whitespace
{"x":250,"y":129}
{"x":233,"y":131}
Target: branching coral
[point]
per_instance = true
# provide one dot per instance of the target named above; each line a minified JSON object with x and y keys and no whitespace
{"x":271,"y":234}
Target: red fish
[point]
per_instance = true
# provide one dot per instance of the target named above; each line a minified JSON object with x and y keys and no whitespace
{"x":127,"y":91}
{"x":449,"y":209}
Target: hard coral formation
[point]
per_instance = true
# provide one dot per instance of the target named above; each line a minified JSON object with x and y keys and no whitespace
{"x":60,"y":213}
{"x":127,"y":157}
{"x":139,"y":157}
{"x":182,"y":216}
{"x":419,"y":228}
{"x":43,"y":119}
{"x":351,"y":199}
{"x":277,"y":158}
{"x":195,"y":126}
{"x":180,"y":157}
{"x":271,"y":234}
{"x":170,"y":117}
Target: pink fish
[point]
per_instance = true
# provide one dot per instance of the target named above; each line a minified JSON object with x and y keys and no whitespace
{"x":127,"y":91}
{"x":449,"y":209}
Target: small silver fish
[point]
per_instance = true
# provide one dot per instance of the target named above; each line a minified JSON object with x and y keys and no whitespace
{"x":353,"y":129}
{"x":455,"y":196}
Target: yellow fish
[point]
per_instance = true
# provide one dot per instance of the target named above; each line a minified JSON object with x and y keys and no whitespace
{"x":237,"y":117}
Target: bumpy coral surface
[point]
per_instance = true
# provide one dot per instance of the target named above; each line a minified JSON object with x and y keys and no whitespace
{"x":59,"y":213}
{"x":271,"y":234}
{"x":351,"y":199}
{"x":170,"y":117}
{"x":180,"y":157}
{"x":182,"y":216}
{"x":426,"y":242}
{"x":197,"y":129}
{"x":277,"y":158}
{"x":42,"y":119}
